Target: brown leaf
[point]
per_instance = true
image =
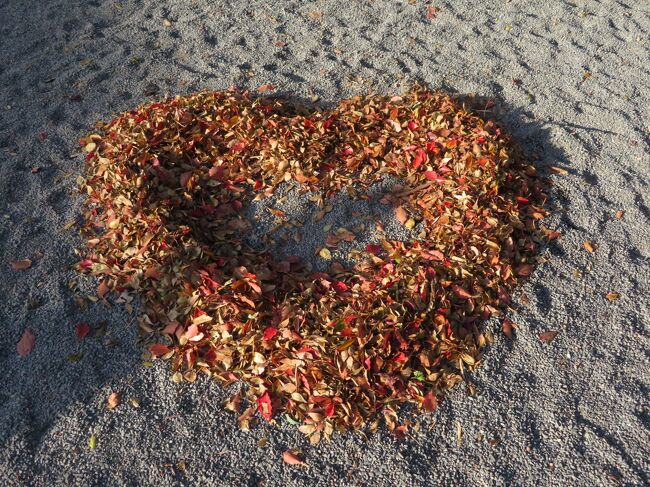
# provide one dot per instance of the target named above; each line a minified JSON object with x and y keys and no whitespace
{"x":291,"y":458}
{"x":589,"y":246}
{"x":430,"y":402}
{"x":612,"y":296}
{"x":507,"y":327}
{"x":21,"y":265}
{"x":548,"y":336}
{"x":26,"y":343}
{"x":524,"y":270}
{"x":619,"y":214}
{"x":113,"y":400}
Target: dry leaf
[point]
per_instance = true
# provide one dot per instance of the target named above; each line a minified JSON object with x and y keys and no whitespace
{"x":265,"y":88}
{"x":102,"y":289}
{"x":559,"y":170}
{"x":26,"y":343}
{"x":170,"y":235}
{"x":21,"y":265}
{"x":507,"y":327}
{"x":291,"y":458}
{"x":548,"y":336}
{"x":325,"y":253}
{"x":589,"y":246}
{"x":613,"y":296}
{"x":619,"y":214}
{"x":113,"y":400}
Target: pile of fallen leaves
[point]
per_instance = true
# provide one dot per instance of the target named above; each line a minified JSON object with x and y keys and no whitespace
{"x":168,"y":184}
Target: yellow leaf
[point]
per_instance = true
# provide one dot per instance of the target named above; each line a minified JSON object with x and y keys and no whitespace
{"x":325,"y":253}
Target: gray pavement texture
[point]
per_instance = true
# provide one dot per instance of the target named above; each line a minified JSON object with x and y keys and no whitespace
{"x":571,"y":80}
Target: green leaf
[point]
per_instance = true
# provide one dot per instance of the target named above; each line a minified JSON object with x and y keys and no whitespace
{"x":418,"y":375}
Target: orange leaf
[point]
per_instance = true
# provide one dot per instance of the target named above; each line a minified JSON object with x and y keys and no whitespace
{"x":113,"y":400}
{"x":291,"y":458}
{"x":265,"y":88}
{"x":401,"y":215}
{"x":589,"y":246}
{"x":559,"y":170}
{"x":102,"y":289}
{"x":26,"y":343}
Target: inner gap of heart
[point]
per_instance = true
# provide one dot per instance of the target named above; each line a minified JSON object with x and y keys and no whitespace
{"x":295,"y":223}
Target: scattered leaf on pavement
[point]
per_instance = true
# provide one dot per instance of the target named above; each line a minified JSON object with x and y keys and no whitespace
{"x":548,"y":336}
{"x":292,"y":458}
{"x":21,"y":265}
{"x":113,"y":400}
{"x":26,"y":343}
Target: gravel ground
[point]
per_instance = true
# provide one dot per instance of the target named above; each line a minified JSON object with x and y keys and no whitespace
{"x":571,"y":81}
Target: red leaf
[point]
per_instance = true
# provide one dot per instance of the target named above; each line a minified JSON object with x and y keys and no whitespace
{"x":420,"y":157}
{"x":460,"y":292}
{"x":264,"y":406}
{"x":270,"y":332}
{"x":291,"y":458}
{"x":430,"y":402}
{"x":26,"y":343}
{"x":85,"y":263}
{"x":158,"y":349}
{"x":329,"y":409}
{"x":373,"y":248}
{"x":265,"y":88}
{"x":433,"y":176}
{"x":340,"y":287}
{"x":82,"y":330}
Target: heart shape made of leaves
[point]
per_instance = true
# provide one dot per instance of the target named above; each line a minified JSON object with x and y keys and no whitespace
{"x":167,"y":184}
